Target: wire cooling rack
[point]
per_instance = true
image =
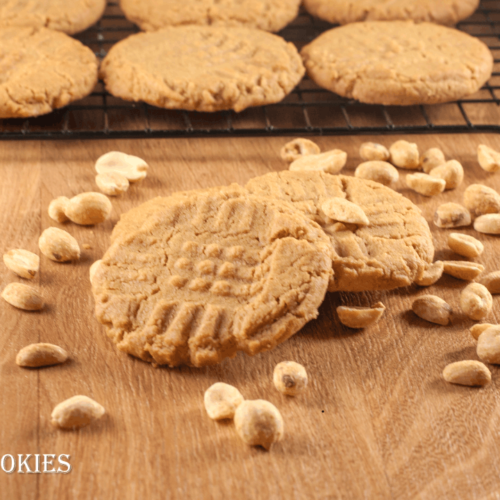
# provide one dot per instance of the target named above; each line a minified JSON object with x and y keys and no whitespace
{"x":308,"y":110}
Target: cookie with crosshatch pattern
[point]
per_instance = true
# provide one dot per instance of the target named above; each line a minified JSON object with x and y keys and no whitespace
{"x":210,"y":274}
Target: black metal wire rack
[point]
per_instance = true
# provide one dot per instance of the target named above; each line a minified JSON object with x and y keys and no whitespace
{"x":308,"y":110}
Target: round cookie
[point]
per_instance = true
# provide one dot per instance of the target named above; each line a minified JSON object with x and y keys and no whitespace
{"x":42,"y":70}
{"x":69,"y":16}
{"x":391,"y":252}
{"x":211,"y":274}
{"x":268,"y":15}
{"x":202,"y":68}
{"x":447,"y":12}
{"x":398,"y":62}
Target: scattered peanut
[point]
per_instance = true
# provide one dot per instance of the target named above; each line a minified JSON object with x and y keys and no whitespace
{"x":404,"y":154}
{"x":22,"y":262}
{"x":372,"y":151}
{"x":450,"y":215}
{"x":433,"y":309}
{"x":378,"y":171}
{"x":488,"y":158}
{"x":481,"y":200}
{"x":112,"y":183}
{"x":360,"y":317}
{"x":133,"y":168}
{"x":76,"y":412}
{"x":93,"y":269}
{"x":431,"y":159}
{"x":432,"y":274}
{"x":488,"y":224}
{"x":88,"y":208}
{"x":465,"y":245}
{"x":37,"y":355}
{"x":57,"y":209}
{"x":58,"y":245}
{"x":259,"y":423}
{"x":331,"y":162}
{"x":342,"y":210}
{"x":488,"y":345}
{"x":492,"y":282}
{"x":425,"y":184}
{"x":290,"y":378}
{"x":23,"y":297}
{"x":451,"y":172}
{"x":467,"y":271}
{"x":469,"y":373}
{"x":476,"y":302}
{"x":476,"y":330}
{"x":297,"y":148}
{"x":221,"y":401}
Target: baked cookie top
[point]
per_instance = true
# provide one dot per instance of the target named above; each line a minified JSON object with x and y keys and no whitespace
{"x":70,"y":16}
{"x":211,"y":274}
{"x":202,"y":68}
{"x":391,"y":252}
{"x":42,"y":70}
{"x":269,"y":15}
{"x":350,"y":11}
{"x":398,"y":62}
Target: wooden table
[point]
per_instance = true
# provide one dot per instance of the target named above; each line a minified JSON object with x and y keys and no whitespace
{"x":378,"y":421}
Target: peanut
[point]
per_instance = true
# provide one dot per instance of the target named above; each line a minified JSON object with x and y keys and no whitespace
{"x":360,"y":317}
{"x":259,"y":423}
{"x":476,"y":330}
{"x":112,"y":183}
{"x":425,"y":184}
{"x":88,"y":208}
{"x":488,"y":158}
{"x":432,"y":274}
{"x":451,"y":172}
{"x":57,"y":209}
{"x":431,"y":159}
{"x":481,"y":200}
{"x":378,"y":171}
{"x":404,"y":154}
{"x":58,"y":245}
{"x":469,"y":373}
{"x":488,"y":224}
{"x":492,"y":282}
{"x":476,"y":302}
{"x":465,"y":245}
{"x":432,"y":309}
{"x":331,"y":162}
{"x":23,"y":297}
{"x":22,"y":262}
{"x":76,"y":412}
{"x":342,"y":210}
{"x":450,"y":215}
{"x":467,"y":271}
{"x":372,"y":151}
{"x":221,"y":401}
{"x":488,"y":345}
{"x":290,"y":378}
{"x":93,"y":269}
{"x":133,"y":168}
{"x":36,"y":355}
{"x":297,"y":148}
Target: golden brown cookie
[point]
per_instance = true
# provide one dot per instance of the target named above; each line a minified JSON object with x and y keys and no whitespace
{"x":392,"y":251}
{"x":42,"y":70}
{"x":269,"y":15}
{"x":210,"y":274}
{"x":447,"y":12}
{"x":202,"y":68}
{"x":398,"y":62}
{"x":69,"y":16}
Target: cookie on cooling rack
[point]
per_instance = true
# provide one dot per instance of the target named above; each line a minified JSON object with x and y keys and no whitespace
{"x":69,"y":16}
{"x":398,"y":62}
{"x":202,"y":68}
{"x":42,"y":70}
{"x":269,"y":15}
{"x":447,"y":12}
{"x":210,"y":274}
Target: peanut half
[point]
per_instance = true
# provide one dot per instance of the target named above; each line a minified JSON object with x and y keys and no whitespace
{"x":360,"y":317}
{"x":93,"y":269}
{"x":58,"y":245}
{"x":37,"y":355}
{"x":488,"y":345}
{"x":331,"y":162}
{"x":221,"y":401}
{"x":431,"y":159}
{"x":23,"y":263}
{"x":342,"y":210}
{"x":476,"y":302}
{"x":471,"y":373}
{"x":465,"y":245}
{"x":481,"y":200}
{"x":432,"y":274}
{"x":57,"y":209}
{"x":451,"y":172}
{"x":451,"y":215}
{"x":488,"y":158}
{"x":112,"y":183}
{"x":432,"y":309}
{"x":88,"y":208}
{"x":297,"y":148}
{"x":372,"y":151}
{"x":135,"y":169}
{"x":476,"y":330}
{"x":23,"y":297}
{"x":467,"y":271}
{"x":405,"y":154}
{"x":425,"y":184}
{"x":76,"y":412}
{"x":378,"y":171}
{"x":492,"y":282}
{"x":488,"y":224}
{"x":290,"y":378}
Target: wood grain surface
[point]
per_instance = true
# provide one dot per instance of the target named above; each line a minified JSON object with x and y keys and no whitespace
{"x":377,"y":421}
